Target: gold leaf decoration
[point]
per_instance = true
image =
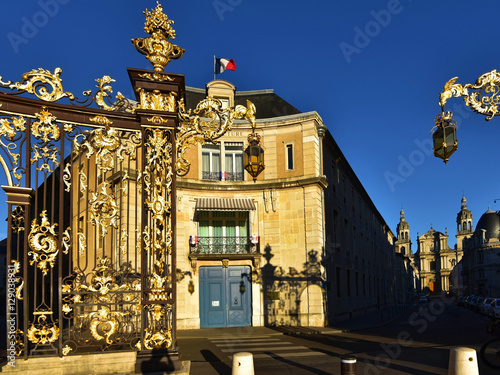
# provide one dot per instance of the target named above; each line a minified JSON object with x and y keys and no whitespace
{"x":38,"y":81}
{"x":43,"y":243}
{"x":42,"y":332}
{"x":45,"y":128}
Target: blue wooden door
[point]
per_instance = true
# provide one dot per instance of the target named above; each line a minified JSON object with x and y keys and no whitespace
{"x":225,"y":297}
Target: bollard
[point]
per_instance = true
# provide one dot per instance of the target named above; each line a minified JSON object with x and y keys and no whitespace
{"x":243,"y":364}
{"x":348,"y":365}
{"x":463,"y":361}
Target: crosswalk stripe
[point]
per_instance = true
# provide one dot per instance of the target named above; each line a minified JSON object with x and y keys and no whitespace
{"x":240,"y":340}
{"x":261,"y":349}
{"x":286,"y":355}
{"x":251,"y":344}
{"x":238,"y":337}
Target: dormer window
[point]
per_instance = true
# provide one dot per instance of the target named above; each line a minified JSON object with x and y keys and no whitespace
{"x":222,"y":90}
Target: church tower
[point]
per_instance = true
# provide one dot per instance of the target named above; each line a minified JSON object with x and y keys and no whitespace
{"x":403,"y":243}
{"x":464,"y":225}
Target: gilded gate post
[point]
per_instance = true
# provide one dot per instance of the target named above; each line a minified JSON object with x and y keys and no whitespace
{"x":92,"y":205}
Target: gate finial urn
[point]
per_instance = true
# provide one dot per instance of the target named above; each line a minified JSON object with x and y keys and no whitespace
{"x":157,"y":48}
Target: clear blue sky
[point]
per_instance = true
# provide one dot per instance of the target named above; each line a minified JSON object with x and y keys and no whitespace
{"x":372,"y":70}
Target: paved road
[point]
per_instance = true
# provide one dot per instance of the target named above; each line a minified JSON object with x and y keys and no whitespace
{"x":418,"y":342}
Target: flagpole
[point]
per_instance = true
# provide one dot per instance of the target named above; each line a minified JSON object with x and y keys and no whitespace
{"x":214,"y":68}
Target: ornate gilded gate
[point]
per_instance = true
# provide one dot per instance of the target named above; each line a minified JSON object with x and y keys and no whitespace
{"x":91,"y":204}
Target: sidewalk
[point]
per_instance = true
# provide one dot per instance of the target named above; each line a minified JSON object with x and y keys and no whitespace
{"x":371,"y":320}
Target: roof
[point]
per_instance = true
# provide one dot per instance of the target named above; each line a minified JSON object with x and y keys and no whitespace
{"x":268,"y":103}
{"x":490,"y":222}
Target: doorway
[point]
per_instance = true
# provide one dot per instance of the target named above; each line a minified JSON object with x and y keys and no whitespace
{"x":225,"y":296}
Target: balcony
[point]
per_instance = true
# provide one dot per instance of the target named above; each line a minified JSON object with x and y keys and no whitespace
{"x":224,"y":245}
{"x":224,"y":249}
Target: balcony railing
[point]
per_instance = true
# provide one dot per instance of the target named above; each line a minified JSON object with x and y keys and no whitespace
{"x":220,"y":176}
{"x":224,"y":245}
{"x":210,"y":176}
{"x":234,"y":176}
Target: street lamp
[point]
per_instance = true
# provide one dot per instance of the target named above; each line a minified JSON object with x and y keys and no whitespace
{"x":482,"y":97}
{"x":254,"y":155}
{"x":444,"y":136}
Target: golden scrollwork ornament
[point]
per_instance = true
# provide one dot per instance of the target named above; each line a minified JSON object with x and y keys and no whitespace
{"x":157,"y":340}
{"x":103,"y":209}
{"x":44,"y":84}
{"x":45,"y":128}
{"x":42,"y":240}
{"x":483,"y":96}
{"x":106,"y":143}
{"x":206,"y":123}
{"x":42,"y":332}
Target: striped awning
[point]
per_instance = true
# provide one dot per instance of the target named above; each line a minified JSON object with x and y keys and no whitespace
{"x":224,"y":204}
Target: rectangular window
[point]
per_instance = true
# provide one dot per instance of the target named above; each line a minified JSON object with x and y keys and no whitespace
{"x":357,"y":284}
{"x":223,"y":232}
{"x":344,"y":189}
{"x":289,"y":157}
{"x":336,"y":243}
{"x":348,"y":282}
{"x":335,"y":176}
{"x":210,"y":162}
{"x":233,"y":160}
{"x":339,"y":278}
{"x":352,"y":200}
{"x":481,"y":273}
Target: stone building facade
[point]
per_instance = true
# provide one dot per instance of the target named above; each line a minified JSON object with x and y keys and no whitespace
{"x":435,"y":259}
{"x":303,"y":245}
{"x":250,"y":253}
{"x":481,"y":260}
{"x":364,"y":272}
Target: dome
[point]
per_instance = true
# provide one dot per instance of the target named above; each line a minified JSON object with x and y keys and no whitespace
{"x":490,"y":221}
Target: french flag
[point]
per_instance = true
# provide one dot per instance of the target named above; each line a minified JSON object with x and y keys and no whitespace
{"x":224,"y":64}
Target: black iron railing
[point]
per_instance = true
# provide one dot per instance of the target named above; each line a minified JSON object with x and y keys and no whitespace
{"x":210,"y":176}
{"x":224,"y":245}
{"x":234,"y":176}
{"x":218,"y":176}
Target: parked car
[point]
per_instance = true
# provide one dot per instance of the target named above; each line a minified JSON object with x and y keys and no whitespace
{"x":471,"y":302}
{"x":485,"y":305}
{"x":494,"y":309}
{"x":462,"y":301}
{"x":479,"y":302}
